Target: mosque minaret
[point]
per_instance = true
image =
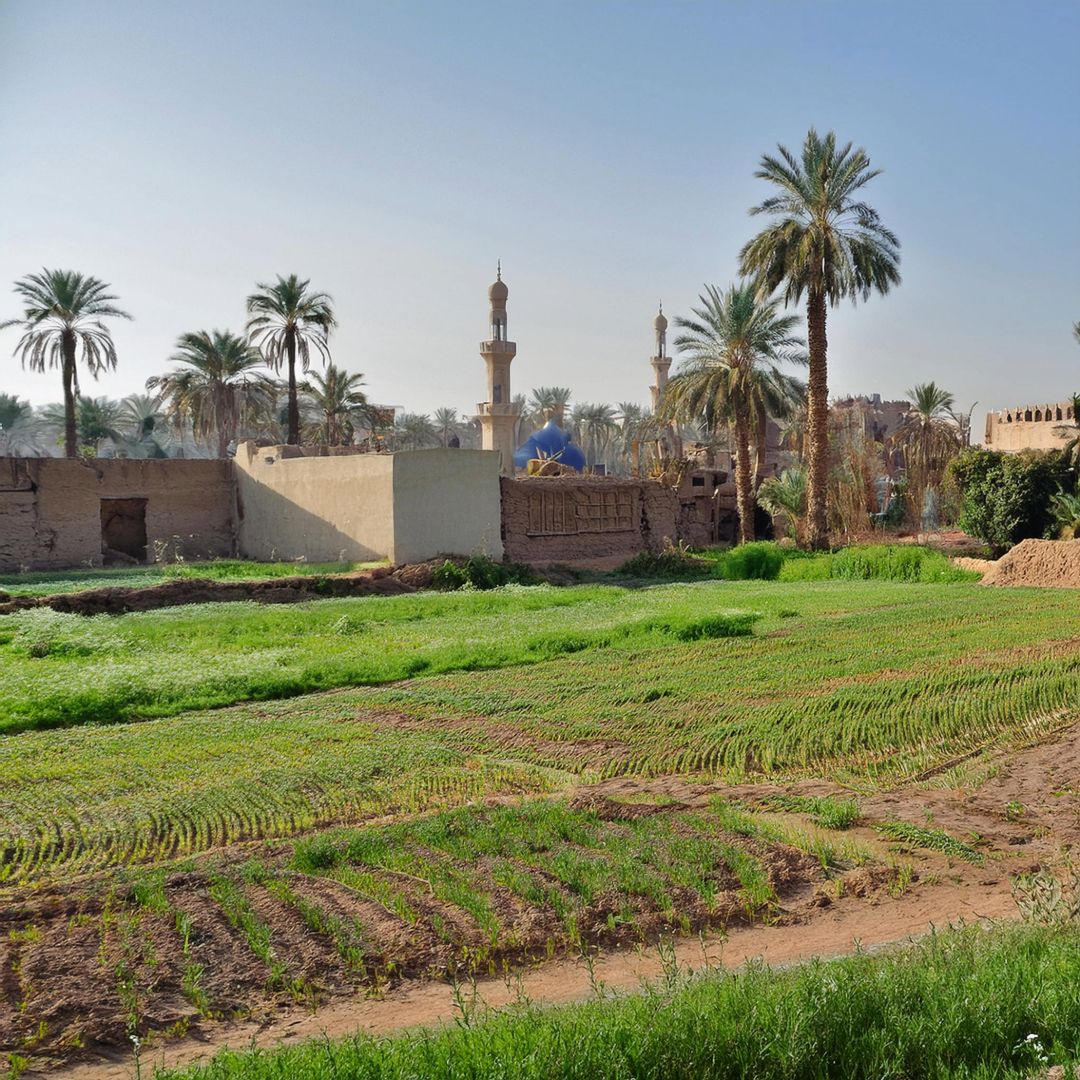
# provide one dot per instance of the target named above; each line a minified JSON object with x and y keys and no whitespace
{"x":661,"y":362}
{"x":498,"y":415}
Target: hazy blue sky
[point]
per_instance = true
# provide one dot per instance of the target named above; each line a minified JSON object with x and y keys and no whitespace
{"x":604,"y":151}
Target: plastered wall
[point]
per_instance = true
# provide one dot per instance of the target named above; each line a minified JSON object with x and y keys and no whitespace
{"x":403,"y":507}
{"x":50,"y":508}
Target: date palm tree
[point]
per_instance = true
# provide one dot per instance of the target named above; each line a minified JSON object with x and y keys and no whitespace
{"x":62,"y":316}
{"x":288,"y":321}
{"x":338,"y":405}
{"x":731,"y":376}
{"x":446,"y":423}
{"x":414,"y":431}
{"x":828,"y":245}
{"x":929,"y":438}
{"x":18,"y":427}
{"x":217,"y":387}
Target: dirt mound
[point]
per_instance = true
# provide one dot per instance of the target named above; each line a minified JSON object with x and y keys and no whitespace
{"x":1046,"y":563}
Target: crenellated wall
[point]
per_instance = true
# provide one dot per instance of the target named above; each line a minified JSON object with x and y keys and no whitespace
{"x":1030,"y":427}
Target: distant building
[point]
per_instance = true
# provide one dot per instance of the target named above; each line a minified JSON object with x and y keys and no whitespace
{"x":1030,"y":427}
{"x":880,"y":419}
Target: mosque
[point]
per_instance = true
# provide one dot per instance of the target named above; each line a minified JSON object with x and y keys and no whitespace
{"x":499,"y":415}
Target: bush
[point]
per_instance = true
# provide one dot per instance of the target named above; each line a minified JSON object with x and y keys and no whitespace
{"x":480,"y":572}
{"x":753,"y":562}
{"x":662,"y":564}
{"x":1006,"y":498}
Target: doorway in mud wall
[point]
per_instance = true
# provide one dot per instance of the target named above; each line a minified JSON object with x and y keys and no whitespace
{"x":123,"y":531}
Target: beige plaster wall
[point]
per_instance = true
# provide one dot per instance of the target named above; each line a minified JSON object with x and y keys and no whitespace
{"x":405,"y":507}
{"x":50,"y":508}
{"x":446,"y":502}
{"x":320,"y":508}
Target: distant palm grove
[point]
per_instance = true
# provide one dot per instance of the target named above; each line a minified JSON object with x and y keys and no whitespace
{"x":276,"y":380}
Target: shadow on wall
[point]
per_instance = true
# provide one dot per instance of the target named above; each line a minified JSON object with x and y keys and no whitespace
{"x":272,"y":527}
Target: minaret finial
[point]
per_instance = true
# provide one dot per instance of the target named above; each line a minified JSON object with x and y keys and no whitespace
{"x":498,"y":271}
{"x":661,"y":306}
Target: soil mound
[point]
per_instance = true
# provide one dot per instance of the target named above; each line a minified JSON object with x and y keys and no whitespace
{"x":1045,"y":563}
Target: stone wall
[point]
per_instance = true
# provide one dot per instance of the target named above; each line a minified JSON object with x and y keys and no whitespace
{"x":1029,"y":427}
{"x":550,"y":519}
{"x":54,"y":511}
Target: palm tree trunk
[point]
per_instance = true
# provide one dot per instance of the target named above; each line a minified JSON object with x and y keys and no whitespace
{"x":71,"y":436}
{"x":294,"y":404}
{"x":817,"y":425}
{"x":744,"y":489}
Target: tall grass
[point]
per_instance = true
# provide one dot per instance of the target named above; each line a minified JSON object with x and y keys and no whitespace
{"x":966,"y":1005}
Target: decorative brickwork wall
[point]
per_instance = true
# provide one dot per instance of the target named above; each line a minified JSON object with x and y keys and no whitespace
{"x":562,"y":519}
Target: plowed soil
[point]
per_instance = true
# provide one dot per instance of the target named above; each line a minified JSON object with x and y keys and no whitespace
{"x":79,"y":962}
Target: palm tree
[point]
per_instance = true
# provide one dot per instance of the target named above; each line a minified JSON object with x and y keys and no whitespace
{"x":63,"y":312}
{"x":286,"y":321}
{"x":732,"y":377}
{"x":218,"y":386}
{"x":827,"y":244}
{"x":593,"y":426}
{"x":544,"y":398}
{"x":96,"y":420}
{"x":929,"y":438}
{"x":338,"y":404}
{"x":786,"y":494}
{"x":17,"y":426}
{"x":144,"y":425}
{"x":414,"y":431}
{"x":1070,"y":452}
{"x":445,"y":423}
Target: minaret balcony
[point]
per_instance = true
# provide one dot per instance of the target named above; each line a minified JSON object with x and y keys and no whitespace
{"x":498,"y":348}
{"x":506,"y":408}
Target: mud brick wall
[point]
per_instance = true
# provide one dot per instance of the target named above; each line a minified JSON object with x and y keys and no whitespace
{"x":51,"y":508}
{"x":549,"y":519}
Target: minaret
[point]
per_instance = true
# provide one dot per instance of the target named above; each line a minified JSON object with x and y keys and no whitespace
{"x":660,"y":362}
{"x":498,"y":415}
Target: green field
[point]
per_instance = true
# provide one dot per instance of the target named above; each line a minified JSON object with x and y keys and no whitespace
{"x":49,"y":582}
{"x":862,"y":681}
{"x":207,"y":805}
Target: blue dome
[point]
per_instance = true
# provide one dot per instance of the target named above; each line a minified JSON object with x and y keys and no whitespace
{"x":550,"y":442}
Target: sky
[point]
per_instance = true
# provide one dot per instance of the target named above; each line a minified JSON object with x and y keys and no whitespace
{"x":604,"y":151}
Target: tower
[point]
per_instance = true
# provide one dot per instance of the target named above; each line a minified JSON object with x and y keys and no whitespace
{"x":498,"y":415}
{"x":661,"y":363}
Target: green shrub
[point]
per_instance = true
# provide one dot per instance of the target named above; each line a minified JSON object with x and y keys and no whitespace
{"x":759,"y":561}
{"x":661,"y":564}
{"x":480,"y":572}
{"x":877,"y":562}
{"x":1006,"y":498}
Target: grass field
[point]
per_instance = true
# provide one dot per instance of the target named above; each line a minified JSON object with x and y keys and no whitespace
{"x":48,"y":582}
{"x":858,"y":681}
{"x":203,"y":806}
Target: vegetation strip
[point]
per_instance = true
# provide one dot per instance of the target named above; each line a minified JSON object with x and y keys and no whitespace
{"x":956,"y":1006}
